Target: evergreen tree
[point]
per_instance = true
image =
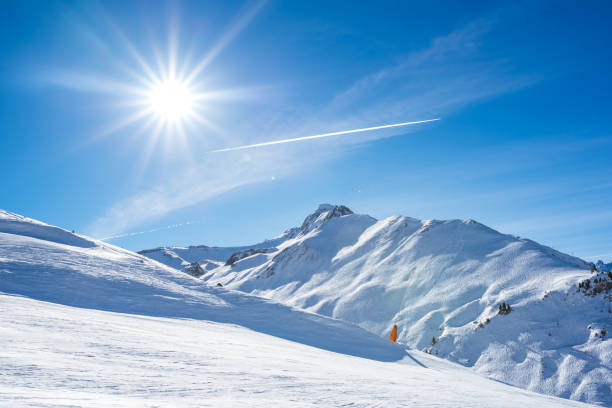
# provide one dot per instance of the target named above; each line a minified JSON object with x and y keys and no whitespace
{"x":504,"y":308}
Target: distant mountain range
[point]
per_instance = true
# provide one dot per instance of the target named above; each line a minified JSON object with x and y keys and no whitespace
{"x":512,"y":309}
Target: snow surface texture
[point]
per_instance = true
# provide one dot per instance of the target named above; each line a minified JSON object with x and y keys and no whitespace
{"x":441,"y":282}
{"x":56,"y":355}
{"x":144,"y":334}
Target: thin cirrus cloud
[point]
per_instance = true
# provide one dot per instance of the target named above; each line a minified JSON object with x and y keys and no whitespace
{"x":448,"y":75}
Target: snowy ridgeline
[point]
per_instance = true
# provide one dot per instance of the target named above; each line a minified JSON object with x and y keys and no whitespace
{"x":508,"y":307}
{"x":83,"y":323}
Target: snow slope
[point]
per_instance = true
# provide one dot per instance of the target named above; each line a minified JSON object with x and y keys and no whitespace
{"x":83,"y":323}
{"x":442,"y":282}
{"x":99,"y":276}
{"x":54,"y":355}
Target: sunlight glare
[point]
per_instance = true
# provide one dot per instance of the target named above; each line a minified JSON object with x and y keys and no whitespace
{"x":171,"y":100}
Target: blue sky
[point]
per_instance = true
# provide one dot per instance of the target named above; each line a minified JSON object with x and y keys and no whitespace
{"x":522,"y":90}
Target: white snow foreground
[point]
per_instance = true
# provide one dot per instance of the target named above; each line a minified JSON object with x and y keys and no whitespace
{"x":54,"y":355}
{"x":441,"y":282}
{"x":83,"y":323}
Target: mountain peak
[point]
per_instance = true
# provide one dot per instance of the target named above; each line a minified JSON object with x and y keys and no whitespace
{"x":324,"y":213}
{"x":337,"y":210}
{"x":603,"y":267}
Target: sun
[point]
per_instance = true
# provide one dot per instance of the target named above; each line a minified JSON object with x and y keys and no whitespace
{"x":167,"y":101}
{"x":171,"y":100}
{"x":164,"y":97}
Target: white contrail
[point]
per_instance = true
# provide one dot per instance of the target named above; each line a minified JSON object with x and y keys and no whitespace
{"x":131,"y":234}
{"x":342,"y":132}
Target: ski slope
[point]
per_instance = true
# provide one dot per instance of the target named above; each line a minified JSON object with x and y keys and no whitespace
{"x":55,"y":355}
{"x":83,"y":323}
{"x":442,"y":283}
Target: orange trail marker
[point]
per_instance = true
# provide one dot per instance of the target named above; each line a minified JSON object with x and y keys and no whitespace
{"x":393,"y":335}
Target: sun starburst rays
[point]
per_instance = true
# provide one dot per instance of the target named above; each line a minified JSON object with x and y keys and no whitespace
{"x":164,"y":97}
{"x":164,"y":106}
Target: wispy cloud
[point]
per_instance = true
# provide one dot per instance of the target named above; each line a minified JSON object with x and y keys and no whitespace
{"x":451,"y":73}
{"x":446,"y":76}
{"x":181,"y":190}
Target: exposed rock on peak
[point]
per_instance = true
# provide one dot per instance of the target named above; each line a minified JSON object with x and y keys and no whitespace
{"x":603,"y":267}
{"x":194,"y":269}
{"x":334,"y":210}
{"x":237,"y":256}
{"x":324,"y":213}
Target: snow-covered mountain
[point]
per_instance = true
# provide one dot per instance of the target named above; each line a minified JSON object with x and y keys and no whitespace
{"x":508,"y":307}
{"x":50,"y":264}
{"x":83,"y":323}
